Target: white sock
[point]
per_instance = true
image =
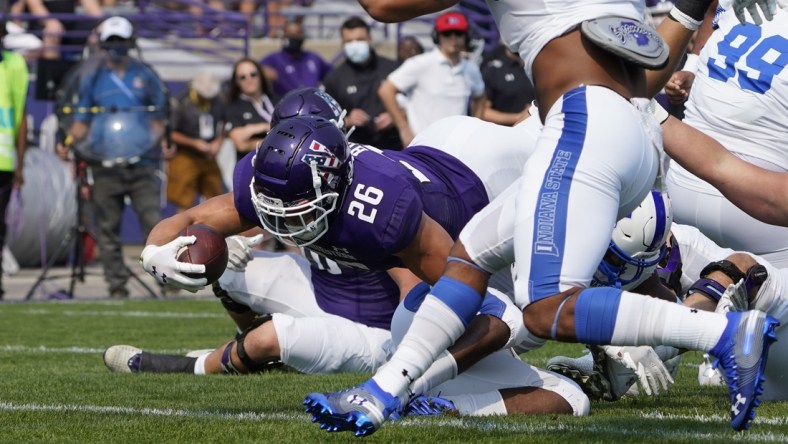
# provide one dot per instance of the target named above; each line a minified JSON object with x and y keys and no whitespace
{"x":479,"y":404}
{"x":443,"y":369}
{"x":199,"y":364}
{"x":435,"y":327}
{"x":650,"y":321}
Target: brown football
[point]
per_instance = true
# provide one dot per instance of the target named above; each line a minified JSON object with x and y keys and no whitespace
{"x":209,"y":249}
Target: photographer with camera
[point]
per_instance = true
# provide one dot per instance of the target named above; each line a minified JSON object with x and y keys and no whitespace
{"x":116,"y":122}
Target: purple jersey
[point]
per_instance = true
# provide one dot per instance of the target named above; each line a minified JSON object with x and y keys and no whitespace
{"x":390,"y":190}
{"x":306,"y":69}
{"x":366,"y":297}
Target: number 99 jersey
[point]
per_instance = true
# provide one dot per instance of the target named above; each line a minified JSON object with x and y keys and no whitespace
{"x":740,"y":98}
{"x":740,"y":93}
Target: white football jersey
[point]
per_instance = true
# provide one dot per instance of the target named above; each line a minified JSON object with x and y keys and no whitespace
{"x":740,"y":93}
{"x":527,"y":26}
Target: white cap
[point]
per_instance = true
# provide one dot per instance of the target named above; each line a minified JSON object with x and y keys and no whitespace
{"x":116,"y":27}
{"x":206,"y":84}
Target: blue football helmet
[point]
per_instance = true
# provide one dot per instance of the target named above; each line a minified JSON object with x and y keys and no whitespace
{"x":637,"y":245}
{"x":301,"y":172}
{"x":308,"y":102}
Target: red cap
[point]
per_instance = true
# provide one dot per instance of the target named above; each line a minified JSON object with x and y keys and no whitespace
{"x":451,"y":21}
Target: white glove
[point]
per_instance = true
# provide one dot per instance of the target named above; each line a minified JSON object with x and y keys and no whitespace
{"x":734,"y":299}
{"x":644,"y":361}
{"x":768,"y":9}
{"x":161,"y":263}
{"x":239,"y":250}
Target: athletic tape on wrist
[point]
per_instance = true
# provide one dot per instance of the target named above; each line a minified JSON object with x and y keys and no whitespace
{"x":691,"y":64}
{"x":659,"y":113}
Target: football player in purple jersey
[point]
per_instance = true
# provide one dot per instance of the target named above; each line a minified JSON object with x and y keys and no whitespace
{"x":597,"y":156}
{"x":368,"y":209}
{"x":313,"y":299}
{"x":290,"y":310}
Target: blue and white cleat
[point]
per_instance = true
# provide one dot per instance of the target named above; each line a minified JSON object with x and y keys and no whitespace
{"x":429,"y":406}
{"x":361,"y":410}
{"x":743,"y":360}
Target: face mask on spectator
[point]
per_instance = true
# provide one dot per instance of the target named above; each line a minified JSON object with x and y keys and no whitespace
{"x":118,"y":53}
{"x":292,"y":45}
{"x":357,"y":51}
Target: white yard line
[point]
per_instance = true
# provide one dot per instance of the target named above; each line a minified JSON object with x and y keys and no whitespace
{"x":466,"y":424}
{"x":120,"y":410}
{"x":8,"y":348}
{"x":616,"y":430}
{"x":712,"y":418}
{"x":123,"y":313}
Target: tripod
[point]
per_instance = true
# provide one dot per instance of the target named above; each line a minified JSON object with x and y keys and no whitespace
{"x":76,"y":235}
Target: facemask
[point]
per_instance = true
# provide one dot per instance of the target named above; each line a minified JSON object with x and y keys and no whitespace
{"x":117,"y":49}
{"x":292,"y":45}
{"x":118,"y":53}
{"x":357,"y":51}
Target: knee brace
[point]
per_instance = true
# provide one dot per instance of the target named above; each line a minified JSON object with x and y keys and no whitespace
{"x":251,"y":365}
{"x":228,"y":302}
{"x":754,"y":277}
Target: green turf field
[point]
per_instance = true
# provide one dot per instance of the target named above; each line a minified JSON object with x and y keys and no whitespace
{"x":54,"y":388}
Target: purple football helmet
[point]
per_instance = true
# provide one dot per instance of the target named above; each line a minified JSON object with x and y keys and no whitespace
{"x":637,"y":245}
{"x":301,"y":172}
{"x":308,"y":102}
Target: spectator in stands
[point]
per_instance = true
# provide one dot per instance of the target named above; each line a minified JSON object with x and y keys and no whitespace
{"x":209,"y":25}
{"x":438,"y":83}
{"x":274,"y":18}
{"x":196,"y":122}
{"x":127,"y":134}
{"x":292,"y":67}
{"x":354,"y":84}
{"x":408,"y":47}
{"x":251,"y":104}
{"x":13,"y":96}
{"x":247,"y":7}
{"x":53,"y":28}
{"x":508,"y":90}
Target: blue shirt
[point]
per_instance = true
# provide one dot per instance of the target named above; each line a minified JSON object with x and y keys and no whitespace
{"x":123,"y":128}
